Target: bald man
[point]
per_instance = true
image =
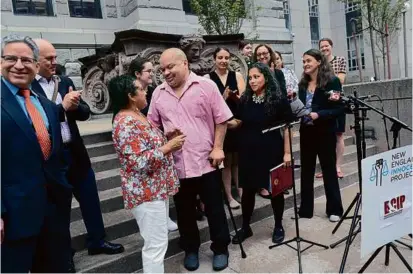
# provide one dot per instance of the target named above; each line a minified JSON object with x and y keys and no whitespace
{"x":80,"y":173}
{"x":194,"y":105}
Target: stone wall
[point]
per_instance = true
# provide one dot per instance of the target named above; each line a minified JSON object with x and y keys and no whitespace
{"x":389,"y":91}
{"x":69,"y":59}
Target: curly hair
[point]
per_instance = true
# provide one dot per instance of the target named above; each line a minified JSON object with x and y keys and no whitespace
{"x":325,"y":72}
{"x":275,"y":101}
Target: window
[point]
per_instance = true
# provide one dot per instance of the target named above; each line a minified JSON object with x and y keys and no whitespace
{"x":286,"y":8}
{"x":352,"y":52}
{"x":85,"y":8}
{"x":353,"y":16}
{"x":186,"y":4}
{"x":314,"y":22}
{"x":33,"y":7}
{"x":351,"y":5}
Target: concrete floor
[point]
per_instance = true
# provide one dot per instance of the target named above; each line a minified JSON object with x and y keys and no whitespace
{"x":284,"y":259}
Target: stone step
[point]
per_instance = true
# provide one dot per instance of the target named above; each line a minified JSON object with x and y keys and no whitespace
{"x":111,"y":198}
{"x":100,"y":149}
{"x":106,"y":147}
{"x":110,"y":161}
{"x":130,"y":260}
{"x":89,"y":139}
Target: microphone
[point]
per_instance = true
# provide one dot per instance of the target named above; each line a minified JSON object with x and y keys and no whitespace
{"x":345,"y":98}
{"x":298,"y":108}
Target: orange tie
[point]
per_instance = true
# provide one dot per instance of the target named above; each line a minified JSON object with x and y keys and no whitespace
{"x":38,"y":123}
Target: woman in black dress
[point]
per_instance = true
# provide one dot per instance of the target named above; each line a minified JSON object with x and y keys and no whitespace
{"x":261,"y":106}
{"x":317,"y":133}
{"x":230,"y":83}
{"x":263,"y":53}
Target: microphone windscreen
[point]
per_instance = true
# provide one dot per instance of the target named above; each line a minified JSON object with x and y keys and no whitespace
{"x":298,"y":108}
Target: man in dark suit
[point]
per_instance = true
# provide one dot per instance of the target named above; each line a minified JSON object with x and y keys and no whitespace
{"x":80,"y":173}
{"x":35,"y":194}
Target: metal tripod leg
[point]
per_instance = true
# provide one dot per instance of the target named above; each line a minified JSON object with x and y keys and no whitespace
{"x":350,"y":234}
{"x":387,"y":257}
{"x":346,"y":213}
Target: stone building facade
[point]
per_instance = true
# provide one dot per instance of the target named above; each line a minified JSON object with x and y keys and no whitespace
{"x":78,"y":27}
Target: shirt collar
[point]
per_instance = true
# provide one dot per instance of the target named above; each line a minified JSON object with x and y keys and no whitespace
{"x":192,"y":78}
{"x":14,"y":89}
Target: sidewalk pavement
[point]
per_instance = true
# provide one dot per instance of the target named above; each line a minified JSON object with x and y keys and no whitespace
{"x":284,"y":259}
{"x":95,"y":126}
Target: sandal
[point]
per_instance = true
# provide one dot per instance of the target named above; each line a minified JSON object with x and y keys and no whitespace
{"x":319,"y":175}
{"x":340,"y":174}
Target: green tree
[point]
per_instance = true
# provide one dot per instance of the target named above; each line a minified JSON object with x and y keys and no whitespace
{"x":220,"y":16}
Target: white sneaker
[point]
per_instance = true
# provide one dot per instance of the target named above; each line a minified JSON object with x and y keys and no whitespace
{"x":334,"y":218}
{"x":172,"y":226}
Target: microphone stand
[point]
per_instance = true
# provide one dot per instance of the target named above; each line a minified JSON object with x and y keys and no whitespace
{"x":297,"y":238}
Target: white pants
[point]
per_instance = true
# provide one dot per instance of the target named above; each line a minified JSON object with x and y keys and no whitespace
{"x":151,"y":218}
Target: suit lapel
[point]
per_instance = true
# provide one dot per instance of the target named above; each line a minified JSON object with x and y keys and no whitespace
{"x":12,"y":107}
{"x":38,"y":88}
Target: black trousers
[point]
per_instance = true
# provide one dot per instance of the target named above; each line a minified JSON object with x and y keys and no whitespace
{"x":248,"y":204}
{"x":209,"y":188}
{"x":313,"y":143}
{"x":86,"y":193}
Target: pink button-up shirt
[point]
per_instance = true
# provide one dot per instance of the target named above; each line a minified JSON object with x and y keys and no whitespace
{"x":196,"y":113}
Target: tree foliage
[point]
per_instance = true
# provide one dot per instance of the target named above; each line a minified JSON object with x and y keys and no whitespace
{"x":376,"y":14}
{"x":220,"y":16}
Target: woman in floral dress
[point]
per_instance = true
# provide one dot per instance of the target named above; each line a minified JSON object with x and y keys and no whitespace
{"x":147,"y":171}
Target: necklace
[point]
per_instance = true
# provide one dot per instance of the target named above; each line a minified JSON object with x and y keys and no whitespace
{"x":258,"y":99}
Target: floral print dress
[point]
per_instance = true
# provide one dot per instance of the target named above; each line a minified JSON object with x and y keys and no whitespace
{"x":146,"y":173}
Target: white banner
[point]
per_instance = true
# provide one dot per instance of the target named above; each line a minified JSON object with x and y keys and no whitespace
{"x":386,"y":198}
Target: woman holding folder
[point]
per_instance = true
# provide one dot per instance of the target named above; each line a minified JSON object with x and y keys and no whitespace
{"x":262,"y":106}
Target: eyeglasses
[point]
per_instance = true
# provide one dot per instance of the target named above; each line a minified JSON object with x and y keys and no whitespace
{"x":12,"y":59}
{"x":262,"y":54}
{"x":150,"y":71}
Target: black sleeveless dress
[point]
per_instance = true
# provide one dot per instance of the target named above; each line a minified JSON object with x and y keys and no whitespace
{"x":230,"y":143}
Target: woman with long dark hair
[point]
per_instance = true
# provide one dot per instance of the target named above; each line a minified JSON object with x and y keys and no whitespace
{"x":261,"y":106}
{"x":317,"y":133}
{"x":264,"y":54}
{"x":230,"y":84}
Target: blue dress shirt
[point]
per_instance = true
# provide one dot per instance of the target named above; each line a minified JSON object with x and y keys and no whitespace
{"x":33,"y":97}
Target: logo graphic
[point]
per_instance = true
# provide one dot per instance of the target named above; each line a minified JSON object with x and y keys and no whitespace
{"x":394,"y":206}
{"x":378,"y":170}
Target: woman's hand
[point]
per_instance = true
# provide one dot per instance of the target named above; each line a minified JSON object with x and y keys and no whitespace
{"x":313,"y":115}
{"x":287,"y":159}
{"x":174,"y":144}
{"x":226,"y":93}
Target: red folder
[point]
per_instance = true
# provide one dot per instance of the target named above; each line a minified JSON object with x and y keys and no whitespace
{"x":281,"y":179}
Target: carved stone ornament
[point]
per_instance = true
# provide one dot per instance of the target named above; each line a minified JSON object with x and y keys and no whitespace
{"x":98,"y":70}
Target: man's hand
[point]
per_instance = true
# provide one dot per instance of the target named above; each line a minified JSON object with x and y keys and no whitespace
{"x":71,"y":100}
{"x":216,"y":157}
{"x":1,"y":231}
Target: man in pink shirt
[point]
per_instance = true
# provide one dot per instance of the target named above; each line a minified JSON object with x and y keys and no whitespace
{"x":194,"y":106}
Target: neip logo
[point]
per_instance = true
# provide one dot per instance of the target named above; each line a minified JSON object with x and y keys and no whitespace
{"x":378,"y":170}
